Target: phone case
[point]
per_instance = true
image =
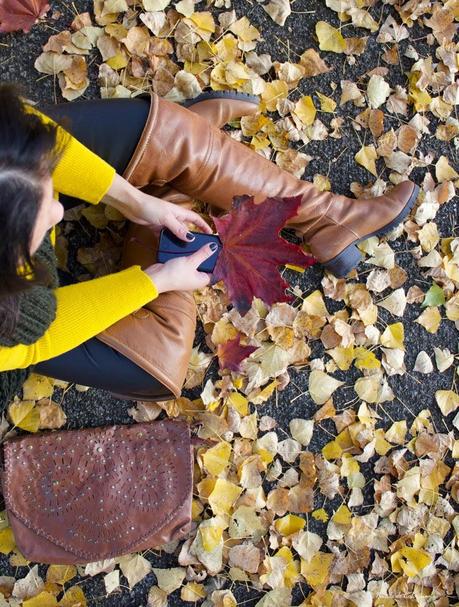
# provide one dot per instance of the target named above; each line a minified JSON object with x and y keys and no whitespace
{"x":170,"y":246}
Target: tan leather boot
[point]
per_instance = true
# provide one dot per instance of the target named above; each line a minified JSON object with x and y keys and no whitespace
{"x":159,"y":336}
{"x":218,"y":108}
{"x":181,"y":148}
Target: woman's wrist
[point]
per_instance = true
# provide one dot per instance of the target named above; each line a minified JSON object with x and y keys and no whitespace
{"x":122,"y":195}
{"x":156,"y":275}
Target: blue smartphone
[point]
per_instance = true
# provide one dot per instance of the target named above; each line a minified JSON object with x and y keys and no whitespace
{"x":170,"y":246}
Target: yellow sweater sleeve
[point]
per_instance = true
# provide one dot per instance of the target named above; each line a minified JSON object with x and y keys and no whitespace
{"x":80,"y":172}
{"x":83,"y":310}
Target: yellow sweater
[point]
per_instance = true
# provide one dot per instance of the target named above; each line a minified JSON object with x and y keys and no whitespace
{"x":83,"y":309}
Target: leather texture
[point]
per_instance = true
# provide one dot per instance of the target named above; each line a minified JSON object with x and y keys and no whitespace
{"x":78,"y":496}
{"x":159,"y":336}
{"x":182,"y":149}
{"x":217,"y":112}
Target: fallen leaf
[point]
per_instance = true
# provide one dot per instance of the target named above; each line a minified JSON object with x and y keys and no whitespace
{"x":21,"y":14}
{"x":231,"y":353}
{"x":252,"y":250}
{"x":322,"y":386}
{"x":366,"y":157}
{"x":330,"y":39}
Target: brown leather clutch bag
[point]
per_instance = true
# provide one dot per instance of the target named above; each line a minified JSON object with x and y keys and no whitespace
{"x":78,"y":496}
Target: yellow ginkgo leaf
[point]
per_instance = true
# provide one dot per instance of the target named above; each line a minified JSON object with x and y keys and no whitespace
{"x":223,"y":496}
{"x":73,"y":596}
{"x":410,"y":560}
{"x":365,"y":359}
{"x":419,"y":97}
{"x":330,"y":39}
{"x":322,"y":386}
{"x":43,"y":599}
{"x":332,"y":450}
{"x":37,"y":386}
{"x":61,"y":574}
{"x":314,"y":304}
{"x":444,"y":171}
{"x":451,"y":270}
{"x":430,"y":319}
{"x":342,"y":516}
{"x":316,"y":571}
{"x":397,"y":432}
{"x":226,"y":49}
{"x":381,"y":445}
{"x":343,"y":356}
{"x":267,"y":391}
{"x":292,"y":569}
{"x":192,"y":592}
{"x":210,"y":537}
{"x":393,"y":336}
{"x":24,"y":414}
{"x":216,"y":458}
{"x":204,"y":21}
{"x":349,"y":465}
{"x":196,"y":509}
{"x":238,"y":402}
{"x":7,"y":542}
{"x":305,"y":110}
{"x":118,"y":61}
{"x":223,"y":331}
{"x":185,"y":7}
{"x":274,"y":91}
{"x":327,"y":104}
{"x":368,"y":388}
{"x":366,"y":157}
{"x":289,"y":524}
{"x":244,"y":30}
{"x":447,"y":400}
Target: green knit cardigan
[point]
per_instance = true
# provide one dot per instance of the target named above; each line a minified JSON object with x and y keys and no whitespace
{"x":37,"y":310}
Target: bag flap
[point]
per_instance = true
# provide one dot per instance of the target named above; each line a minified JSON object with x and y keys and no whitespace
{"x":97,"y":492}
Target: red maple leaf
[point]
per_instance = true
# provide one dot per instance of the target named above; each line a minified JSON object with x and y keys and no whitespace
{"x":252,"y":249}
{"x":21,"y":14}
{"x":232,"y":353}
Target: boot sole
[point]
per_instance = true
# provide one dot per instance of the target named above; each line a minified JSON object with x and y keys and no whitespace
{"x":221,"y":95}
{"x":145,"y":397}
{"x":350,"y":257}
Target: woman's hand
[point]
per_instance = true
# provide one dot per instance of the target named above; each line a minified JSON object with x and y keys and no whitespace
{"x":181,"y":274}
{"x":144,"y":209}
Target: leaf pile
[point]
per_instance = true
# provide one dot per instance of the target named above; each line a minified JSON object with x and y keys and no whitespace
{"x":354,"y":502}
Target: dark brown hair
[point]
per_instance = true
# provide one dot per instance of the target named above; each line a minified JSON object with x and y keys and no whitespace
{"x":29,"y":152}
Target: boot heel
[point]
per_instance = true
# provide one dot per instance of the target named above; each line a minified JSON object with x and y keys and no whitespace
{"x":343,"y":263}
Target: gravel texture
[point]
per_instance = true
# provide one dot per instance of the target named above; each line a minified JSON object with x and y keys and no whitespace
{"x":413,"y":390}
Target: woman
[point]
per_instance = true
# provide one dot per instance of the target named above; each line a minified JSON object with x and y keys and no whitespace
{"x":131,"y":332}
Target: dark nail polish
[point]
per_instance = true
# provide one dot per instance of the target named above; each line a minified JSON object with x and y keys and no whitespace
{"x":213,"y":246}
{"x":190,"y":236}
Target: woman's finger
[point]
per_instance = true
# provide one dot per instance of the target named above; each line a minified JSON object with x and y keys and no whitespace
{"x":201,"y":254}
{"x":198,"y":221}
{"x":177,"y":227}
